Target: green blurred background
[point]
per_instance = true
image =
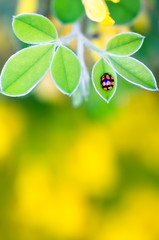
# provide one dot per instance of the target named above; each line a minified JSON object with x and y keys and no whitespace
{"x":87,"y":173}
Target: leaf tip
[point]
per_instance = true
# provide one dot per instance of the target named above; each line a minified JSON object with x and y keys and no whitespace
{"x":156,"y":88}
{"x":107,"y":101}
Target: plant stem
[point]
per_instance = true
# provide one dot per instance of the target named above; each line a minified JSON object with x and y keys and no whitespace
{"x":69,"y":38}
{"x":83,"y":90}
{"x":84,"y":84}
{"x":85,"y":41}
{"x":91,"y":46}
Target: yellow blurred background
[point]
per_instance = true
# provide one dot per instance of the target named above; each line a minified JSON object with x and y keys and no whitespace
{"x":87,"y":173}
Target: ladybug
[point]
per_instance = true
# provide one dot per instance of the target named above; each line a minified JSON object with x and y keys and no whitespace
{"x":107,"y":81}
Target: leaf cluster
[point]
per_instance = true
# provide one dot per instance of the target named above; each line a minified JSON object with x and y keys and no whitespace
{"x":23,"y":71}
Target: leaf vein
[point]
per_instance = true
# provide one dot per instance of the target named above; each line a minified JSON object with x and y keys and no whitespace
{"x":122,"y":45}
{"x":128,"y":71}
{"x":30,"y":67}
{"x":65,"y":71}
{"x":38,"y":29}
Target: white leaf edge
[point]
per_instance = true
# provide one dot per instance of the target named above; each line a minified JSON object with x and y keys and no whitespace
{"x":34,"y":14}
{"x":107,"y":101}
{"x":53,"y":78}
{"x":149,"y":89}
{"x":22,"y":95}
{"x":118,"y":55}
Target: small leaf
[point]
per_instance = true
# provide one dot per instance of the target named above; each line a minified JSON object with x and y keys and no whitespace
{"x":124,"y":11}
{"x":67,"y":11}
{"x":34,"y":28}
{"x":25,"y":69}
{"x":100,"y":68}
{"x":66,"y":70}
{"x":134,"y":71}
{"x":125,"y":44}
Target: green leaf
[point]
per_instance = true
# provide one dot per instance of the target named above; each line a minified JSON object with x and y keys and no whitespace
{"x":66,"y":70}
{"x":134,"y":72}
{"x":67,"y":11}
{"x":100,"y":68}
{"x":34,"y":28}
{"x":125,"y":44}
{"x":25,"y":69}
{"x":124,"y":11}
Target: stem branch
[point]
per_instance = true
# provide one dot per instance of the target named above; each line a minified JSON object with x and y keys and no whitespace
{"x":85,"y":41}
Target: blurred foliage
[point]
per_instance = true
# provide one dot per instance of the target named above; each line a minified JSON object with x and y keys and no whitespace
{"x":61,"y":9}
{"x":125,"y":11}
{"x":86,"y":173}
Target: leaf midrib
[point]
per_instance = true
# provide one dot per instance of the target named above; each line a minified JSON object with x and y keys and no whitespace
{"x":38,"y":29}
{"x":135,"y":40}
{"x":126,"y":70}
{"x":62,"y":57}
{"x":108,"y":93}
{"x":30,"y":67}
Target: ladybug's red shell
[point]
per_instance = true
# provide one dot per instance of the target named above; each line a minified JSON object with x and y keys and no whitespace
{"x":107,"y":81}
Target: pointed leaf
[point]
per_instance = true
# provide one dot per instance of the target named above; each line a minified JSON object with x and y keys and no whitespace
{"x":25,"y":69}
{"x":134,"y":71}
{"x":66,"y":70}
{"x":34,"y":28}
{"x":100,"y":68}
{"x":125,"y":44}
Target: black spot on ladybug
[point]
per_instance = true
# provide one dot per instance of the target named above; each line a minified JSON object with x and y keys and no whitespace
{"x":107,"y":81}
